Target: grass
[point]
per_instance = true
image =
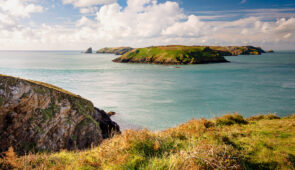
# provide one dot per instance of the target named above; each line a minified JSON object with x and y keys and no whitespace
{"x":227,"y":142}
{"x":173,"y":54}
{"x":50,"y":86}
{"x":116,"y":50}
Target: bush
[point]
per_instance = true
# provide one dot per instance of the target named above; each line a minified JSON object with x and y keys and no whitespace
{"x":231,"y":119}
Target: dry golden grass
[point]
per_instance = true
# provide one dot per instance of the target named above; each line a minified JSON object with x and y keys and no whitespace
{"x":260,"y":143}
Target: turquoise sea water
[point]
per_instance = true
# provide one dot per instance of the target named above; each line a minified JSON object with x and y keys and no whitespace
{"x":156,"y":96}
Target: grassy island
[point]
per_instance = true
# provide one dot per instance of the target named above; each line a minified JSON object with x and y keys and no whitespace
{"x":115,"y":50}
{"x":173,"y":54}
{"x":227,"y":142}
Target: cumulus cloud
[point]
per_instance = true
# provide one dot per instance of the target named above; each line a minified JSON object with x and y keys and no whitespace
{"x":19,"y":8}
{"x":148,"y":22}
{"x":88,"y":10}
{"x":87,"y":3}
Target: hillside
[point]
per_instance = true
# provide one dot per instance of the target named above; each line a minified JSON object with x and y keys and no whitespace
{"x":173,"y":54}
{"x":115,"y":50}
{"x":238,"y":50}
{"x":227,"y":142}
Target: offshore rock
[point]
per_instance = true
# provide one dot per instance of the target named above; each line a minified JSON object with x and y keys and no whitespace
{"x":36,"y":116}
{"x":89,"y":50}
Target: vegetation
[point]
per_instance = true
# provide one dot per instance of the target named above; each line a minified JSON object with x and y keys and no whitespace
{"x":179,"y":54}
{"x":238,"y":50}
{"x":173,"y":54}
{"x":227,"y":142}
{"x":14,"y":80}
{"x":116,"y":50}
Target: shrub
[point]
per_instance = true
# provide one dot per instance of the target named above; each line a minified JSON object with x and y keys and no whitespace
{"x":260,"y":117}
{"x":231,"y":119}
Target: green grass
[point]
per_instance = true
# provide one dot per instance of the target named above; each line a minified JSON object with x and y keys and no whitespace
{"x":172,"y":55}
{"x":227,"y":142}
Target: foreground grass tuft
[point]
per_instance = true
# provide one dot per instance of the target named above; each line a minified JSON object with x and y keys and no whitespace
{"x":227,"y":142}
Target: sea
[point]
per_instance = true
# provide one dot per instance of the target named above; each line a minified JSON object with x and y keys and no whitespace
{"x":157,"y":97}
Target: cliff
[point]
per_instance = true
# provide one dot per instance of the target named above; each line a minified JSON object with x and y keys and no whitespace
{"x":117,"y":51}
{"x":172,"y":55}
{"x":36,"y":116}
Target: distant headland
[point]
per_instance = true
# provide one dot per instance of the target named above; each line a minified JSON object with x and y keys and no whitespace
{"x":117,"y":50}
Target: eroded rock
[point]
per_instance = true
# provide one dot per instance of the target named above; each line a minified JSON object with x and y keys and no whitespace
{"x":36,"y":116}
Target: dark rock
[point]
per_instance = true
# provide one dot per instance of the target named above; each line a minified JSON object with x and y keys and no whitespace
{"x":89,"y":50}
{"x":107,"y":126}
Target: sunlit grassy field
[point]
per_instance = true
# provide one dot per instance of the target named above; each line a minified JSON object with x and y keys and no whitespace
{"x":228,"y":142}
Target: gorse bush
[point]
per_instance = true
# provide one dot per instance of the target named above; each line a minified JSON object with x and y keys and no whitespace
{"x":227,"y":142}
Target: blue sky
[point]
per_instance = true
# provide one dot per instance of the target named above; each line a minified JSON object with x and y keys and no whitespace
{"x":77,"y":24}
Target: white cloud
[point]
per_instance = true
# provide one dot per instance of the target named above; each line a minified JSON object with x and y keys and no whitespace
{"x":145,"y":23}
{"x":19,"y":8}
{"x":193,"y":27}
{"x":6,"y":21}
{"x":87,"y":3}
{"x":88,"y":10}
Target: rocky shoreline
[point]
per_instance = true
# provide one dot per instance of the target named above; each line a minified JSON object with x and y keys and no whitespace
{"x":36,"y":116}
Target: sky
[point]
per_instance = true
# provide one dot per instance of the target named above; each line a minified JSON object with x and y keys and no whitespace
{"x":79,"y":24}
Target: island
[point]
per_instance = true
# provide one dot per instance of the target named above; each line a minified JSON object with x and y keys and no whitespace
{"x":172,"y":55}
{"x":180,"y":54}
{"x":115,"y":50}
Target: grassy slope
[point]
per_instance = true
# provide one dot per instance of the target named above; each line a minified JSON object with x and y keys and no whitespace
{"x":50,"y":86}
{"x":238,"y":50}
{"x":172,"y":55}
{"x":115,"y":50}
{"x":228,"y":142}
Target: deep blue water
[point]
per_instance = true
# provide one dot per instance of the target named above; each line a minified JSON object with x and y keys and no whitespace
{"x":157,"y":96}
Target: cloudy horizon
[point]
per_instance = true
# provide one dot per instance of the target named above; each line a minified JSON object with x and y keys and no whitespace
{"x":78,"y":24}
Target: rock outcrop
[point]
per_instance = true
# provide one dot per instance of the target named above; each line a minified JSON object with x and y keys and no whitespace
{"x":89,"y":50}
{"x":117,"y":50}
{"x":270,"y":51}
{"x":36,"y":116}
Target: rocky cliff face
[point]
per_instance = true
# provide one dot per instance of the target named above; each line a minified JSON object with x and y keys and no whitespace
{"x":36,"y":116}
